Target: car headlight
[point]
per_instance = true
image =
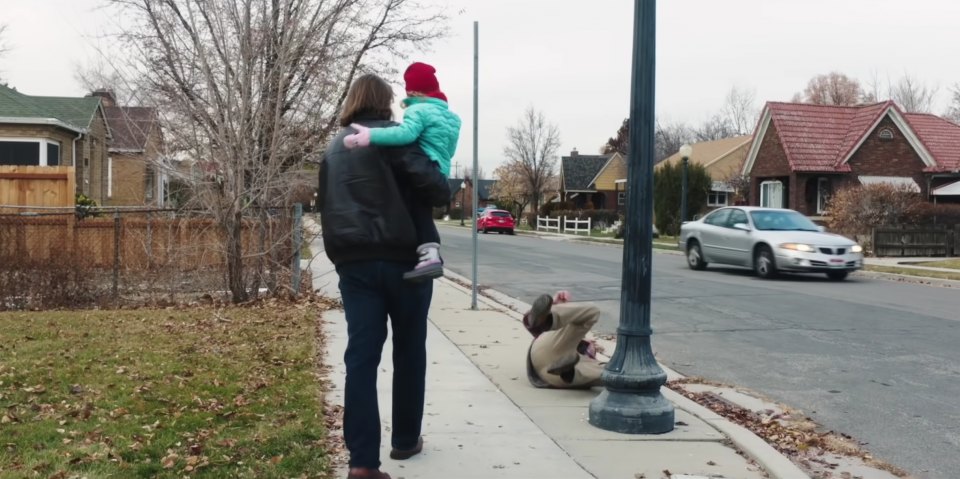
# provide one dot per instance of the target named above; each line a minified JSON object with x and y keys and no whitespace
{"x":856,"y":249}
{"x":798,"y":247}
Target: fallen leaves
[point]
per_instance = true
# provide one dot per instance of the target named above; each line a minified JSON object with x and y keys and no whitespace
{"x":129,"y":381}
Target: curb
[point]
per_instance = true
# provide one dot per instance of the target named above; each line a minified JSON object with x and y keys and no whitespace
{"x":754,"y":447}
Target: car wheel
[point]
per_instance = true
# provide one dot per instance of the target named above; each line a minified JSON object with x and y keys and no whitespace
{"x":764,"y":263}
{"x":500,"y":232}
{"x":695,"y":257}
{"x":511,"y":232}
{"x":484,"y":230}
{"x":837,"y":275}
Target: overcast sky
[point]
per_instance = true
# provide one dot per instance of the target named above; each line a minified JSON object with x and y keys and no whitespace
{"x":571,"y":58}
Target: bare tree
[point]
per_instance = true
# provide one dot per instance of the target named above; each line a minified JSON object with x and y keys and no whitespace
{"x":250,"y":89}
{"x":126,"y":87}
{"x":913,"y":95}
{"x":532,"y":147}
{"x":716,"y":127}
{"x":3,"y":46}
{"x":832,"y":89}
{"x":619,"y":142}
{"x":669,"y":137}
{"x":953,"y":111}
{"x":740,"y":110}
{"x":512,"y":186}
{"x":481,"y":175}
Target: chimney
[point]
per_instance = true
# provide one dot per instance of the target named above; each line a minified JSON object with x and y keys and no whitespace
{"x":574,"y":152}
{"x":106,"y":96}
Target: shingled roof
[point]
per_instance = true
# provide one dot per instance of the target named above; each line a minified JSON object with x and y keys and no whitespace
{"x":821,"y":138}
{"x":941,"y":137}
{"x":131,"y":126}
{"x":483,"y":187}
{"x":66,"y":112}
{"x":579,"y":171}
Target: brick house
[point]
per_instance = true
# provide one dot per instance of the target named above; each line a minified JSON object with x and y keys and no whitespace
{"x":134,"y":176}
{"x":465,"y":195}
{"x":801,"y":153}
{"x":593,"y":181}
{"x":56,"y":131}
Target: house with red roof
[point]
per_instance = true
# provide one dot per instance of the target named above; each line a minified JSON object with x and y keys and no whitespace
{"x":801,"y":153}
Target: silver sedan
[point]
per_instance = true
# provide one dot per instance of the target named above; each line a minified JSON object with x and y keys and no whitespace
{"x":769,"y":240}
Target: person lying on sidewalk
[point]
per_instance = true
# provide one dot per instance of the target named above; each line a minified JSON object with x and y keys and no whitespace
{"x":559,"y":356}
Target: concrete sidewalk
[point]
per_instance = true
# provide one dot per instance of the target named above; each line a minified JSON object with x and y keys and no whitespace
{"x":484,"y":420}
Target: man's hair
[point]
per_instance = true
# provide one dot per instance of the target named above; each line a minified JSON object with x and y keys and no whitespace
{"x":370,"y":96}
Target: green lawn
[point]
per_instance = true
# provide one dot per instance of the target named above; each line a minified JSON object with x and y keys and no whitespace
{"x":218,"y":393}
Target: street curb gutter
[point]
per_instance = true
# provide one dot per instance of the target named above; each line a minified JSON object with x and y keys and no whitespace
{"x":751,"y":445}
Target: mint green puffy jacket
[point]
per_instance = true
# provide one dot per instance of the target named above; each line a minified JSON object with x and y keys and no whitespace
{"x":428,"y":121}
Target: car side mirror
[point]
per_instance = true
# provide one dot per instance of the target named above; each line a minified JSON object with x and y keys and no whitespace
{"x":741,"y":227}
{"x":821,"y":228}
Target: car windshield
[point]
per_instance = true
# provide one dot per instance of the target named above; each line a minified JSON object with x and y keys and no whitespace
{"x":502,"y":214}
{"x":781,"y":221}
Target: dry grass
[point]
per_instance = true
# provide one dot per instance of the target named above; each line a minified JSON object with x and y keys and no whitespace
{"x":204,"y":392}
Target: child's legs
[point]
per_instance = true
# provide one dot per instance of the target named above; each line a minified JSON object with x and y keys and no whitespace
{"x":422,"y":216}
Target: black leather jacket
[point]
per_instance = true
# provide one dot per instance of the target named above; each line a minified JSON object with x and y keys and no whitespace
{"x":365,"y":195}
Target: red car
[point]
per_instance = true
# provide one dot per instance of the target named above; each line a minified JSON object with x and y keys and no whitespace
{"x":495,"y":220}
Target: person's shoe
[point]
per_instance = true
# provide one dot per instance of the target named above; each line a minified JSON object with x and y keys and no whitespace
{"x":430,"y":265}
{"x":366,"y":473}
{"x":564,"y":365}
{"x":403,"y":454}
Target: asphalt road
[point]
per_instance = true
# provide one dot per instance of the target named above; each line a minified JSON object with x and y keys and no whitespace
{"x":876,"y":359}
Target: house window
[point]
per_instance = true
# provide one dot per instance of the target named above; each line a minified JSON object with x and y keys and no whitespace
{"x":29,"y":152}
{"x":886,"y":134}
{"x":622,"y":198}
{"x":771,"y":194}
{"x":53,"y":153}
{"x":151,"y":185}
{"x":109,"y":177}
{"x":824,"y":190}
{"x":717,"y":198}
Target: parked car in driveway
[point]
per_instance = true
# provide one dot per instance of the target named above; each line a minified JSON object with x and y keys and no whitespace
{"x":769,"y":240}
{"x":496,"y":220}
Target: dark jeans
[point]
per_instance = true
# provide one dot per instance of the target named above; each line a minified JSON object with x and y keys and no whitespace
{"x":372,"y":291}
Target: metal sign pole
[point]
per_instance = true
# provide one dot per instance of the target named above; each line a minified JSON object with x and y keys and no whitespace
{"x":476,"y":166}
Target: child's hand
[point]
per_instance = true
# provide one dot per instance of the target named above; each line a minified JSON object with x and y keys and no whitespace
{"x":360,"y":138}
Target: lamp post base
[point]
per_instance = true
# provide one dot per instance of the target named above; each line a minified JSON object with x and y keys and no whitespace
{"x":632,"y":412}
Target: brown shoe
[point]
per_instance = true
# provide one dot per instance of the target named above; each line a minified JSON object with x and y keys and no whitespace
{"x":365,"y":473}
{"x":403,"y":454}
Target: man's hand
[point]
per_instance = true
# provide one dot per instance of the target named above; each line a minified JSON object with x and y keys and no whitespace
{"x":561,"y":297}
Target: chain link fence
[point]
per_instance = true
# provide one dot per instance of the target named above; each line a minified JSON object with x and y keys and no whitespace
{"x":113,"y":257}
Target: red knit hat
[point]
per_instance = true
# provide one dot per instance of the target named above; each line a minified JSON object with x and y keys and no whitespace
{"x":421,"y":78}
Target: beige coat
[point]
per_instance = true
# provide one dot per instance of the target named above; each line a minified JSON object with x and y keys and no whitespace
{"x":571,"y":323}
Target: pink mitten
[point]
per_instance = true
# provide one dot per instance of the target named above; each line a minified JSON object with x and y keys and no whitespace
{"x":360,"y":138}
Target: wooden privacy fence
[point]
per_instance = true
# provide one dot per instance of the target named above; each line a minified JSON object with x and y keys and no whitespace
{"x":44,"y":186}
{"x":910,"y":241}
{"x":129,"y":243}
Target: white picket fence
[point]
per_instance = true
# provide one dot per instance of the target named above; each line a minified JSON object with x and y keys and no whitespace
{"x":563,"y":224}
{"x":576,"y":226}
{"x":546,"y":223}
